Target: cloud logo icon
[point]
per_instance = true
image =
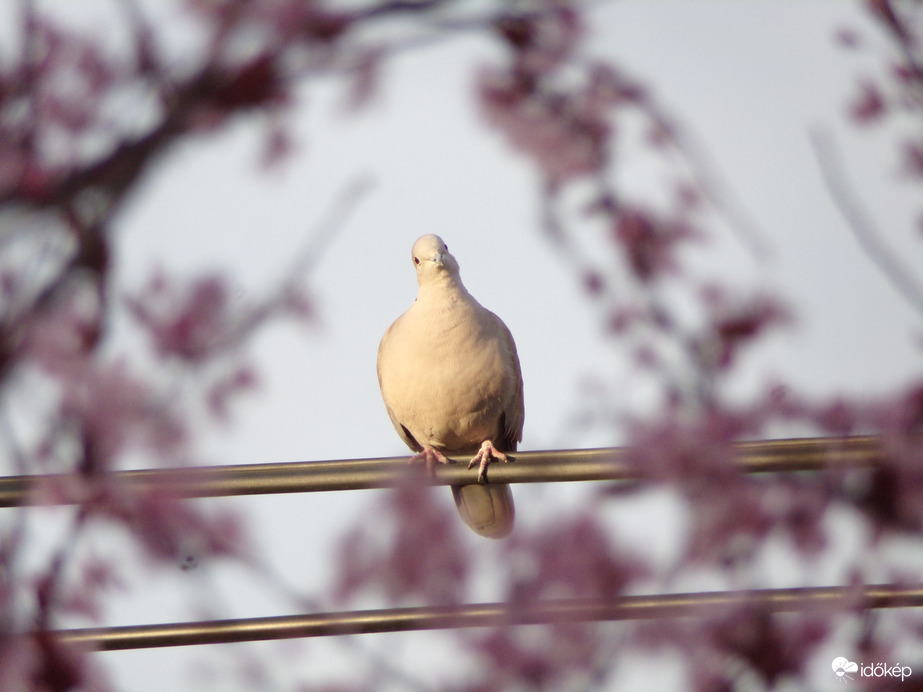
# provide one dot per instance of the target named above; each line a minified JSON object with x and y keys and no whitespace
{"x":841,"y":666}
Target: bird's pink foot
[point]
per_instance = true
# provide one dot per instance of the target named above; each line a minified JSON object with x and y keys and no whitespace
{"x":430,"y":457}
{"x":483,"y":458}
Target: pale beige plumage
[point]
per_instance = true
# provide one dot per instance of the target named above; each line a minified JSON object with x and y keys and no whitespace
{"x":451,"y":382}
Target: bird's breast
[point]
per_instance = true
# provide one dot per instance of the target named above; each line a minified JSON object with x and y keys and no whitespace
{"x":454,"y":383}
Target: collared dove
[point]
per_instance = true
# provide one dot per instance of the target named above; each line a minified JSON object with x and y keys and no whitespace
{"x":450,"y":379}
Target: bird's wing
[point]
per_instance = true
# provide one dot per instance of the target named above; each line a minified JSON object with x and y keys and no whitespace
{"x":514,"y":409}
{"x":386,"y":354}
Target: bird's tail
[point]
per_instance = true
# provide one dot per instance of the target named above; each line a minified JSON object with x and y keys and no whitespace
{"x":486,"y":508}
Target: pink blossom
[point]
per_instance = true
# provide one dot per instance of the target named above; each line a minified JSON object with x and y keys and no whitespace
{"x":771,"y":646}
{"x":913,"y":159}
{"x":423,"y":556}
{"x":732,"y":326}
{"x":189,"y":323}
{"x":219,"y":394}
{"x":547,"y":126}
{"x":649,"y":242}
{"x":870,"y":105}
{"x":574,"y":556}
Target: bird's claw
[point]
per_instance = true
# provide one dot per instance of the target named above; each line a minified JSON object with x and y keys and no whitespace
{"x":483,"y":458}
{"x":430,"y":457}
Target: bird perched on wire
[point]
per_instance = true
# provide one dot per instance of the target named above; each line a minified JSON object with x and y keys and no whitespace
{"x":451,"y":382}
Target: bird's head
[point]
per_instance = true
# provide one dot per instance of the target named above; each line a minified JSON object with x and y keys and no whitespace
{"x":433,"y":261}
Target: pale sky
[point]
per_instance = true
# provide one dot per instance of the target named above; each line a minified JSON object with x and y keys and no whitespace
{"x":748,"y":79}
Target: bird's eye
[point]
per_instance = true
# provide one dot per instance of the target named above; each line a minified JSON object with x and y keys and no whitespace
{"x":445,"y":247}
{"x":416,"y":260}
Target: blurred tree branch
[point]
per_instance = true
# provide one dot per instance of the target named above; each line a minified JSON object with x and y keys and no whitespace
{"x":858,"y":221}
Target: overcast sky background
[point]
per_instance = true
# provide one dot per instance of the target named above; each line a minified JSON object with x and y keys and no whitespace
{"x":748,"y":79}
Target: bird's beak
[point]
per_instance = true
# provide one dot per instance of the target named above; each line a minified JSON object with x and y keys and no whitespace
{"x":439,"y":259}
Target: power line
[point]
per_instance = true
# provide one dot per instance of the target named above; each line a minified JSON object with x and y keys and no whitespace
{"x":761,"y":456}
{"x":679,"y":605}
